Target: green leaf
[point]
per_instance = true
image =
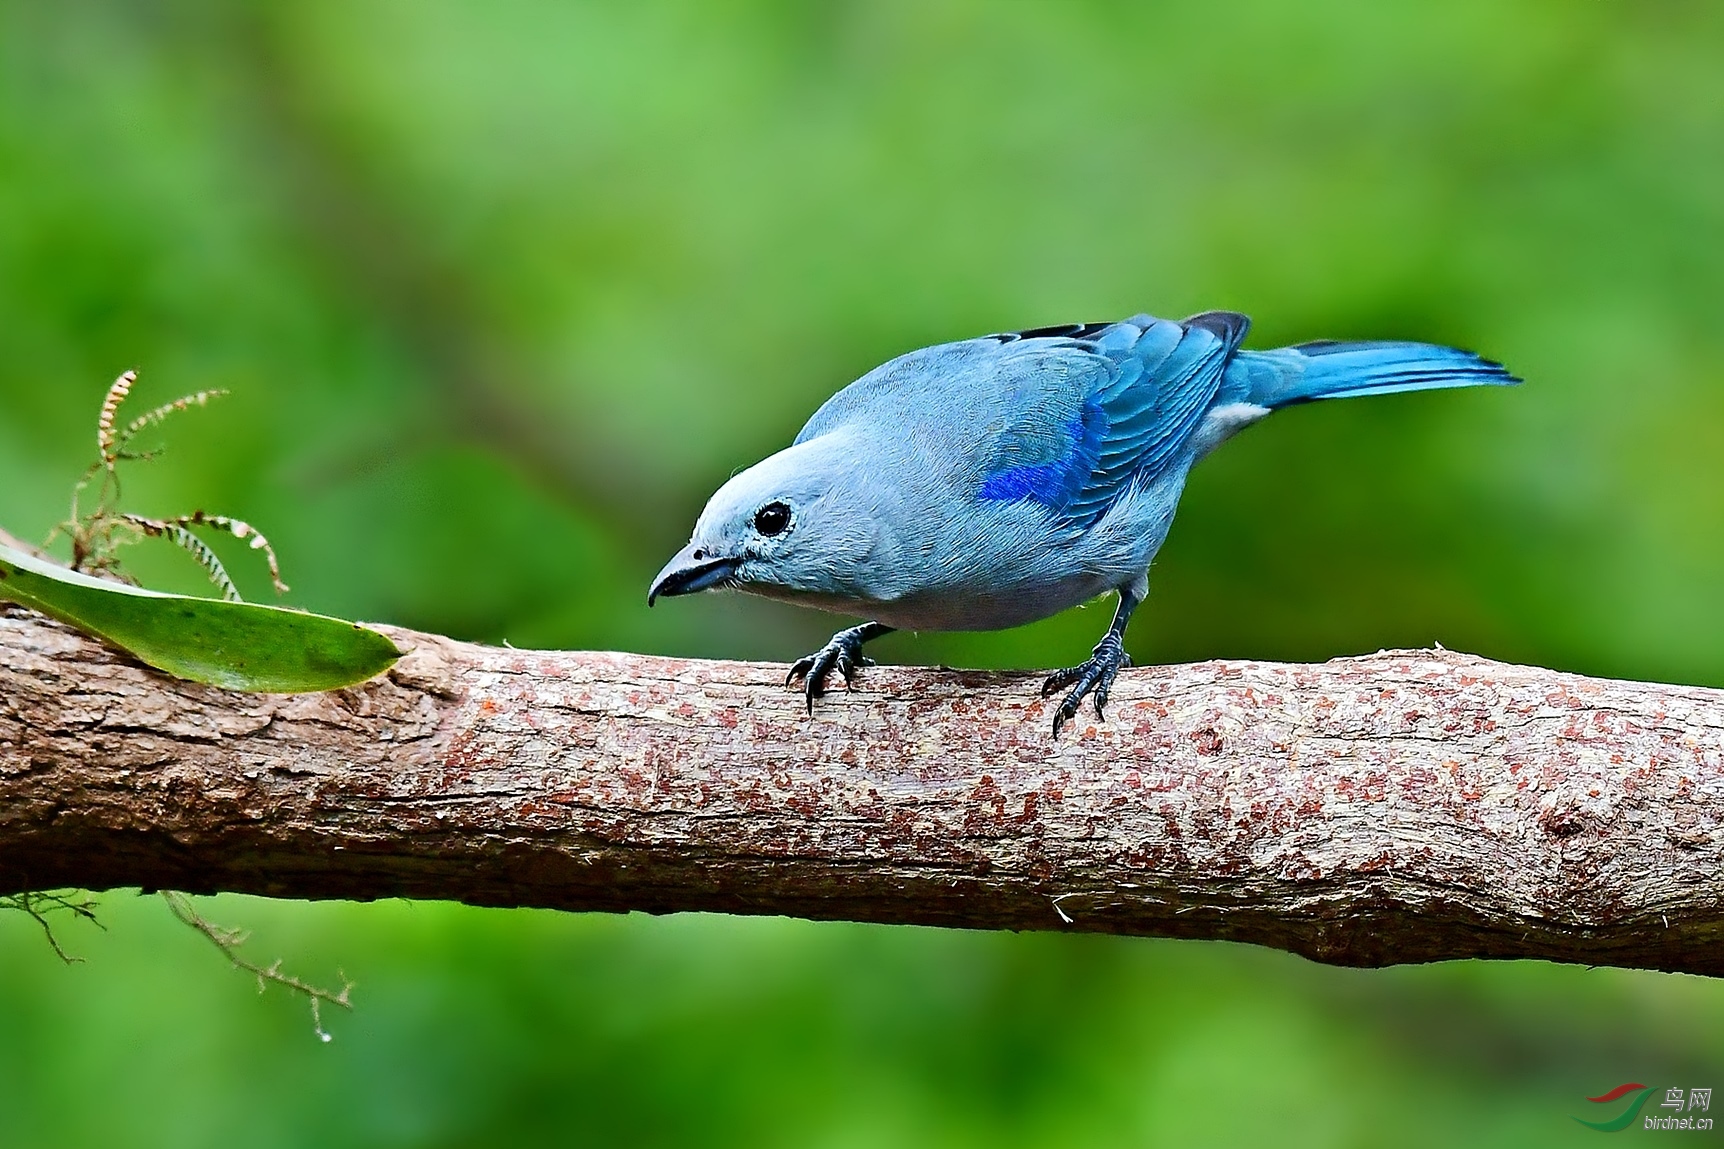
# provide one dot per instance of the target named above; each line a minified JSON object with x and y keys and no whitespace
{"x":234,"y":645}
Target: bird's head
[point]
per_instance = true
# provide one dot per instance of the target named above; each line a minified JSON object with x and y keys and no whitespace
{"x":792,"y":526}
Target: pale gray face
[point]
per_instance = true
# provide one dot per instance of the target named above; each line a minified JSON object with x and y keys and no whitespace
{"x":793,"y":524}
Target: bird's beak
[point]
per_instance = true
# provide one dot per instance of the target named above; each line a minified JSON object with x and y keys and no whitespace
{"x":686,"y":574}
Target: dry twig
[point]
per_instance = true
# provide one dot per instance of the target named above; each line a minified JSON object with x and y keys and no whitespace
{"x":229,"y":940}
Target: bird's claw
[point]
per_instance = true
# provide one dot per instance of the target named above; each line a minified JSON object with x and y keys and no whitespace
{"x":1093,"y":677}
{"x":843,"y":654}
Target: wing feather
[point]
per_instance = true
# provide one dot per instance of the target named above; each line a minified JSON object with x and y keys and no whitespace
{"x":1168,"y":378}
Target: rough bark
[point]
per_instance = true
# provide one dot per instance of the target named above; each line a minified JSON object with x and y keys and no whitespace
{"x":1405,"y":806}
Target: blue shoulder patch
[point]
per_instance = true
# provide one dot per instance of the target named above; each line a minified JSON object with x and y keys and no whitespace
{"x":1145,"y":385}
{"x":1053,"y":482}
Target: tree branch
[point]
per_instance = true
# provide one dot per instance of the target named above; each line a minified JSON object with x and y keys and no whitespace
{"x":1405,"y":806}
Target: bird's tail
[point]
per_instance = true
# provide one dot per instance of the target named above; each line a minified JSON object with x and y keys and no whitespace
{"x":1329,"y":370}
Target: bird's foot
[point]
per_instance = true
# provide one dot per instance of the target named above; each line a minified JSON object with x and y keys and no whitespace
{"x":843,"y":654}
{"x":1093,"y":677}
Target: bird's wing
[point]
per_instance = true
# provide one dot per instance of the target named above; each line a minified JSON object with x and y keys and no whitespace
{"x":1099,"y":405}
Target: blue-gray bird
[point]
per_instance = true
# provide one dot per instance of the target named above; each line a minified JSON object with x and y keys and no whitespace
{"x":996,"y":481}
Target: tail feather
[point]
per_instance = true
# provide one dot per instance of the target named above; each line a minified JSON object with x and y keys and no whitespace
{"x":1329,"y":370}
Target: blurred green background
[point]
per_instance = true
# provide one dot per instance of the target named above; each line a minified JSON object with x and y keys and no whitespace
{"x":504,"y":291}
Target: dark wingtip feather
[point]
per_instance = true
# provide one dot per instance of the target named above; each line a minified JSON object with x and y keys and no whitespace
{"x":1497,"y":371}
{"x":1057,"y":331}
{"x":1230,"y":327}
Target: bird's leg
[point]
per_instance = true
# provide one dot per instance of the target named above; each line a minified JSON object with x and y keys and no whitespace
{"x":843,"y":654}
{"x":1095,"y":676}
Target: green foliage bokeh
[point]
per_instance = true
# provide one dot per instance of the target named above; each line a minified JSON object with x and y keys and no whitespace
{"x":503,"y":291}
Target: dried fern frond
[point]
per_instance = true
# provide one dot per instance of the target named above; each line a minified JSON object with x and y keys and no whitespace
{"x":196,"y":547}
{"x":242,"y":531}
{"x":152,"y":417}
{"x":174,"y":530}
{"x":97,"y":532}
{"x":110,"y":408}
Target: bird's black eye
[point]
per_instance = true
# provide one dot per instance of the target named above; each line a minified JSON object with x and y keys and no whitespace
{"x":772,"y":519}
